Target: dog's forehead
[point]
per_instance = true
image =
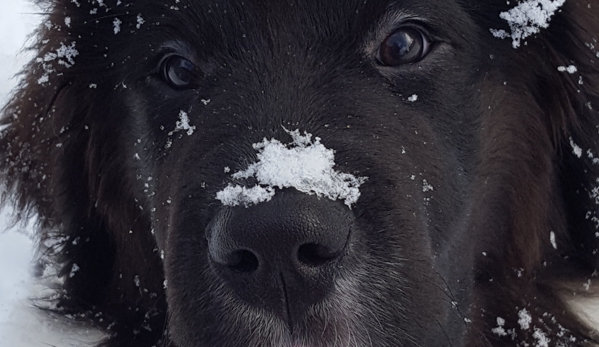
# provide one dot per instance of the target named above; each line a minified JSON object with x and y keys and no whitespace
{"x":307,"y":18}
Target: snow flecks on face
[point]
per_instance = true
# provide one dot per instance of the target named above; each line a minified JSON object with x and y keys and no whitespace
{"x":305,"y":164}
{"x":571,"y":69}
{"x":542,"y":339}
{"x":183,"y":123}
{"x":74,"y":270}
{"x":140,"y":21}
{"x":587,"y":285}
{"x":413,"y":98}
{"x":524,"y":319}
{"x":552,"y":239}
{"x":499,"y":330}
{"x":592,"y":157}
{"x":67,"y":21}
{"x":64,"y":55}
{"x":238,"y":195}
{"x":575,"y":148}
{"x":426,"y":187}
{"x":116,"y":24}
{"x":527,"y":19}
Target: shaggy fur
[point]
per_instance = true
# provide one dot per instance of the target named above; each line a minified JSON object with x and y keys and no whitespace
{"x":480,"y":214}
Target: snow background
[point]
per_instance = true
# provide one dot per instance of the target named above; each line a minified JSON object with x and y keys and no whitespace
{"x":21,"y":325}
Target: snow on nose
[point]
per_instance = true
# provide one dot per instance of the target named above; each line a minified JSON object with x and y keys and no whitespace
{"x":304,"y":164}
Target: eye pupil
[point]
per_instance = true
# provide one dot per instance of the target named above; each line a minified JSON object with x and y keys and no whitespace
{"x":404,"y":46}
{"x":179,"y":72}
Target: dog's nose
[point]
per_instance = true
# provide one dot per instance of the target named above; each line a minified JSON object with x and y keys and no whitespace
{"x":283,"y":254}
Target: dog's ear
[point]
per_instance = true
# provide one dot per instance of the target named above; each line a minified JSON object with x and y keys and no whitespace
{"x":49,"y":121}
{"x":55,"y":159}
{"x":40,"y":113}
{"x":552,"y":78}
{"x":571,"y":100}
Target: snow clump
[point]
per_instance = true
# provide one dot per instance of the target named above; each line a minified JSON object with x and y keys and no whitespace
{"x":571,"y":69}
{"x":527,"y":19}
{"x":304,"y":164}
{"x":183,"y":123}
{"x":117,"y":25}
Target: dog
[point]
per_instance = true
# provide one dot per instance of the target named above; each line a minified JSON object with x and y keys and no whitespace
{"x":306,"y":173}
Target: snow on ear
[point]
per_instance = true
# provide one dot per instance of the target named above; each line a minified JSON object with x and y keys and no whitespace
{"x":528,"y":18}
{"x":304,"y":164}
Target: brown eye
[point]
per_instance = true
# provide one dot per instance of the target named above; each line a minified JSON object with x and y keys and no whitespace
{"x":404,"y":46}
{"x":179,"y":72}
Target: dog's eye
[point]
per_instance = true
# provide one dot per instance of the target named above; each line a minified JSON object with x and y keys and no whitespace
{"x":179,"y":72}
{"x":405,"y":45}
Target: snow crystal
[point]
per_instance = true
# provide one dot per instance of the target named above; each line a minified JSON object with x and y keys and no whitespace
{"x":426,"y":187}
{"x":304,"y":164}
{"x":67,"y":21}
{"x":552,"y":239}
{"x":413,"y":98}
{"x":542,"y":339}
{"x":499,"y":330}
{"x":238,"y":195}
{"x":140,"y":21}
{"x":575,"y":148}
{"x":183,"y":123}
{"x":74,"y":270}
{"x":117,"y":25}
{"x":64,"y":55}
{"x":527,"y":19}
{"x":569,"y":69}
{"x":524,"y":319}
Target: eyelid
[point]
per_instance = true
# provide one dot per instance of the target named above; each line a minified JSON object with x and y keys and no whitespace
{"x":389,"y":23}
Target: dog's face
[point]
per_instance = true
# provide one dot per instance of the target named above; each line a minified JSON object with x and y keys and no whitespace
{"x":314,"y":173}
{"x":391,"y":88}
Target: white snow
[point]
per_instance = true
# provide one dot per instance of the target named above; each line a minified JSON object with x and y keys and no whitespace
{"x":183,"y":123}
{"x":524,"y":319}
{"x":528,"y":18}
{"x":140,"y":21}
{"x":542,"y":339}
{"x":304,"y":164}
{"x":499,"y":330}
{"x":575,"y":148}
{"x":117,"y":25}
{"x":64,"y":55}
{"x":426,"y":187}
{"x":571,"y":69}
{"x":552,"y":239}
{"x":413,"y":98}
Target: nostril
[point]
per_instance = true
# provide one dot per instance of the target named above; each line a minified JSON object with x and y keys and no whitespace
{"x":314,"y":255}
{"x":243,"y":261}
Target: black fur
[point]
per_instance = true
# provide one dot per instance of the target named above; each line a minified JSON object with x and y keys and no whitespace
{"x":493,"y":131}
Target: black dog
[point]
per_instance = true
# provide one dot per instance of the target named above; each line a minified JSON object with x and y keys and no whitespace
{"x":172,"y":148}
